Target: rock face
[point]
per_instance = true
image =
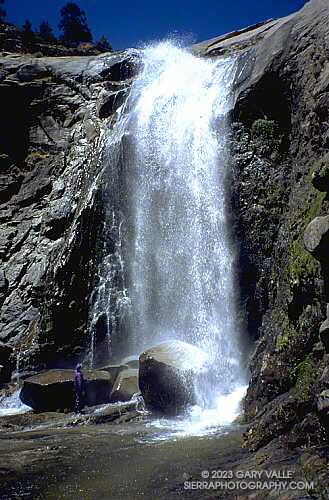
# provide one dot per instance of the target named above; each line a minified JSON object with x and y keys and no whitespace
{"x":279,"y":144}
{"x":166,"y":375}
{"x":320,"y":176}
{"x":54,"y":112}
{"x":54,"y":390}
{"x":316,"y":238}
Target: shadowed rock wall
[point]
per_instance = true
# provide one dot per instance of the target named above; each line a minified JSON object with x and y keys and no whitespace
{"x":54,"y":112}
{"x":279,"y":143}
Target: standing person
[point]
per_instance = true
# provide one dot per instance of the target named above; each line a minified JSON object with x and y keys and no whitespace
{"x":79,"y":387}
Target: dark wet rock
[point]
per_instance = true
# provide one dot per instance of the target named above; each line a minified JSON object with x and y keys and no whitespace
{"x":278,"y":417}
{"x":97,"y":414}
{"x":275,"y":167}
{"x":324,"y":334}
{"x":123,"y":412}
{"x":28,"y":420}
{"x":125,"y":386}
{"x":3,"y":286}
{"x":316,"y":237}
{"x":51,"y":191}
{"x":308,"y":430}
{"x":323,"y":401}
{"x":110,"y":103}
{"x":54,"y":389}
{"x":5,"y":362}
{"x":166,"y":374}
{"x":320,"y":176}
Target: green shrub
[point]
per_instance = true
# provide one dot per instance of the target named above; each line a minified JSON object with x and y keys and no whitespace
{"x":267,"y":138}
{"x":267,"y":130}
{"x":304,"y":376}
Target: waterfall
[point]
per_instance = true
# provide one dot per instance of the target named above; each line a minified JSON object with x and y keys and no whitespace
{"x":178,"y":250}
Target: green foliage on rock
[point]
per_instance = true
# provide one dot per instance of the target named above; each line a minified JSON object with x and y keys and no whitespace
{"x":304,"y":376}
{"x":267,"y":137}
{"x":287,"y":336}
{"x":265,"y":129}
{"x":302,"y":266}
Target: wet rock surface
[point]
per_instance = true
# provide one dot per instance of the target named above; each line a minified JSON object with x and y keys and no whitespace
{"x":51,"y":209}
{"x":280,"y":209}
{"x":166,"y":375}
{"x":125,"y":386}
{"x":5,"y":362}
{"x":54,"y":390}
{"x":50,"y":463}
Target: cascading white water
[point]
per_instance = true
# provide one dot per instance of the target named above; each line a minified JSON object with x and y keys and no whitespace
{"x":12,"y":405}
{"x":179,"y":252}
{"x":181,"y":257}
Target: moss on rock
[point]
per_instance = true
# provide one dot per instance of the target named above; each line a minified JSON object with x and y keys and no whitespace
{"x":301,"y":267}
{"x":304,"y":376}
{"x":266,"y":136}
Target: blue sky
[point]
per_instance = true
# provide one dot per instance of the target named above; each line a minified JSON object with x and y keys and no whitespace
{"x":131,"y":23}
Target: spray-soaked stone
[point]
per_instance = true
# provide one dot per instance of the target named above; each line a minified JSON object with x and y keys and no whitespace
{"x":166,"y":376}
{"x":126,"y":385}
{"x":54,"y":389}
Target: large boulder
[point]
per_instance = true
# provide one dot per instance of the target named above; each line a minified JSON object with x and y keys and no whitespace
{"x":126,"y":385}
{"x":54,"y":389}
{"x":316,"y":237}
{"x":166,"y":376}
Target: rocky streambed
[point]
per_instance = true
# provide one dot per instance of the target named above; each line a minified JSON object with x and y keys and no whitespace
{"x":128,"y":461}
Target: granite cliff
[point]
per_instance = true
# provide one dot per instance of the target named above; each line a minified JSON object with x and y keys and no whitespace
{"x":279,"y":144}
{"x":54,"y":114}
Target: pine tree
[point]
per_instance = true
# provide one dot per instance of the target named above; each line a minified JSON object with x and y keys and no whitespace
{"x":103,"y":45}
{"x":46,"y":32}
{"x":2,"y":12}
{"x":73,"y":24}
{"x":28,"y":35}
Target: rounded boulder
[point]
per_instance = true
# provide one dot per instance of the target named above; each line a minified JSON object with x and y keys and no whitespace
{"x":166,"y":376}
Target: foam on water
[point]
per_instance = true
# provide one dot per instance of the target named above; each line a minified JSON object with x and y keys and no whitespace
{"x":201,"y":421}
{"x":12,"y":405}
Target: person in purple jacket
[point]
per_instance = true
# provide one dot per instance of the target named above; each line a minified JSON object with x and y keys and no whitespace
{"x":79,"y":387}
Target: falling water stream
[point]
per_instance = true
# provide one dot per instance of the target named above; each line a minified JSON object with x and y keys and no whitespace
{"x":179,"y":252}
